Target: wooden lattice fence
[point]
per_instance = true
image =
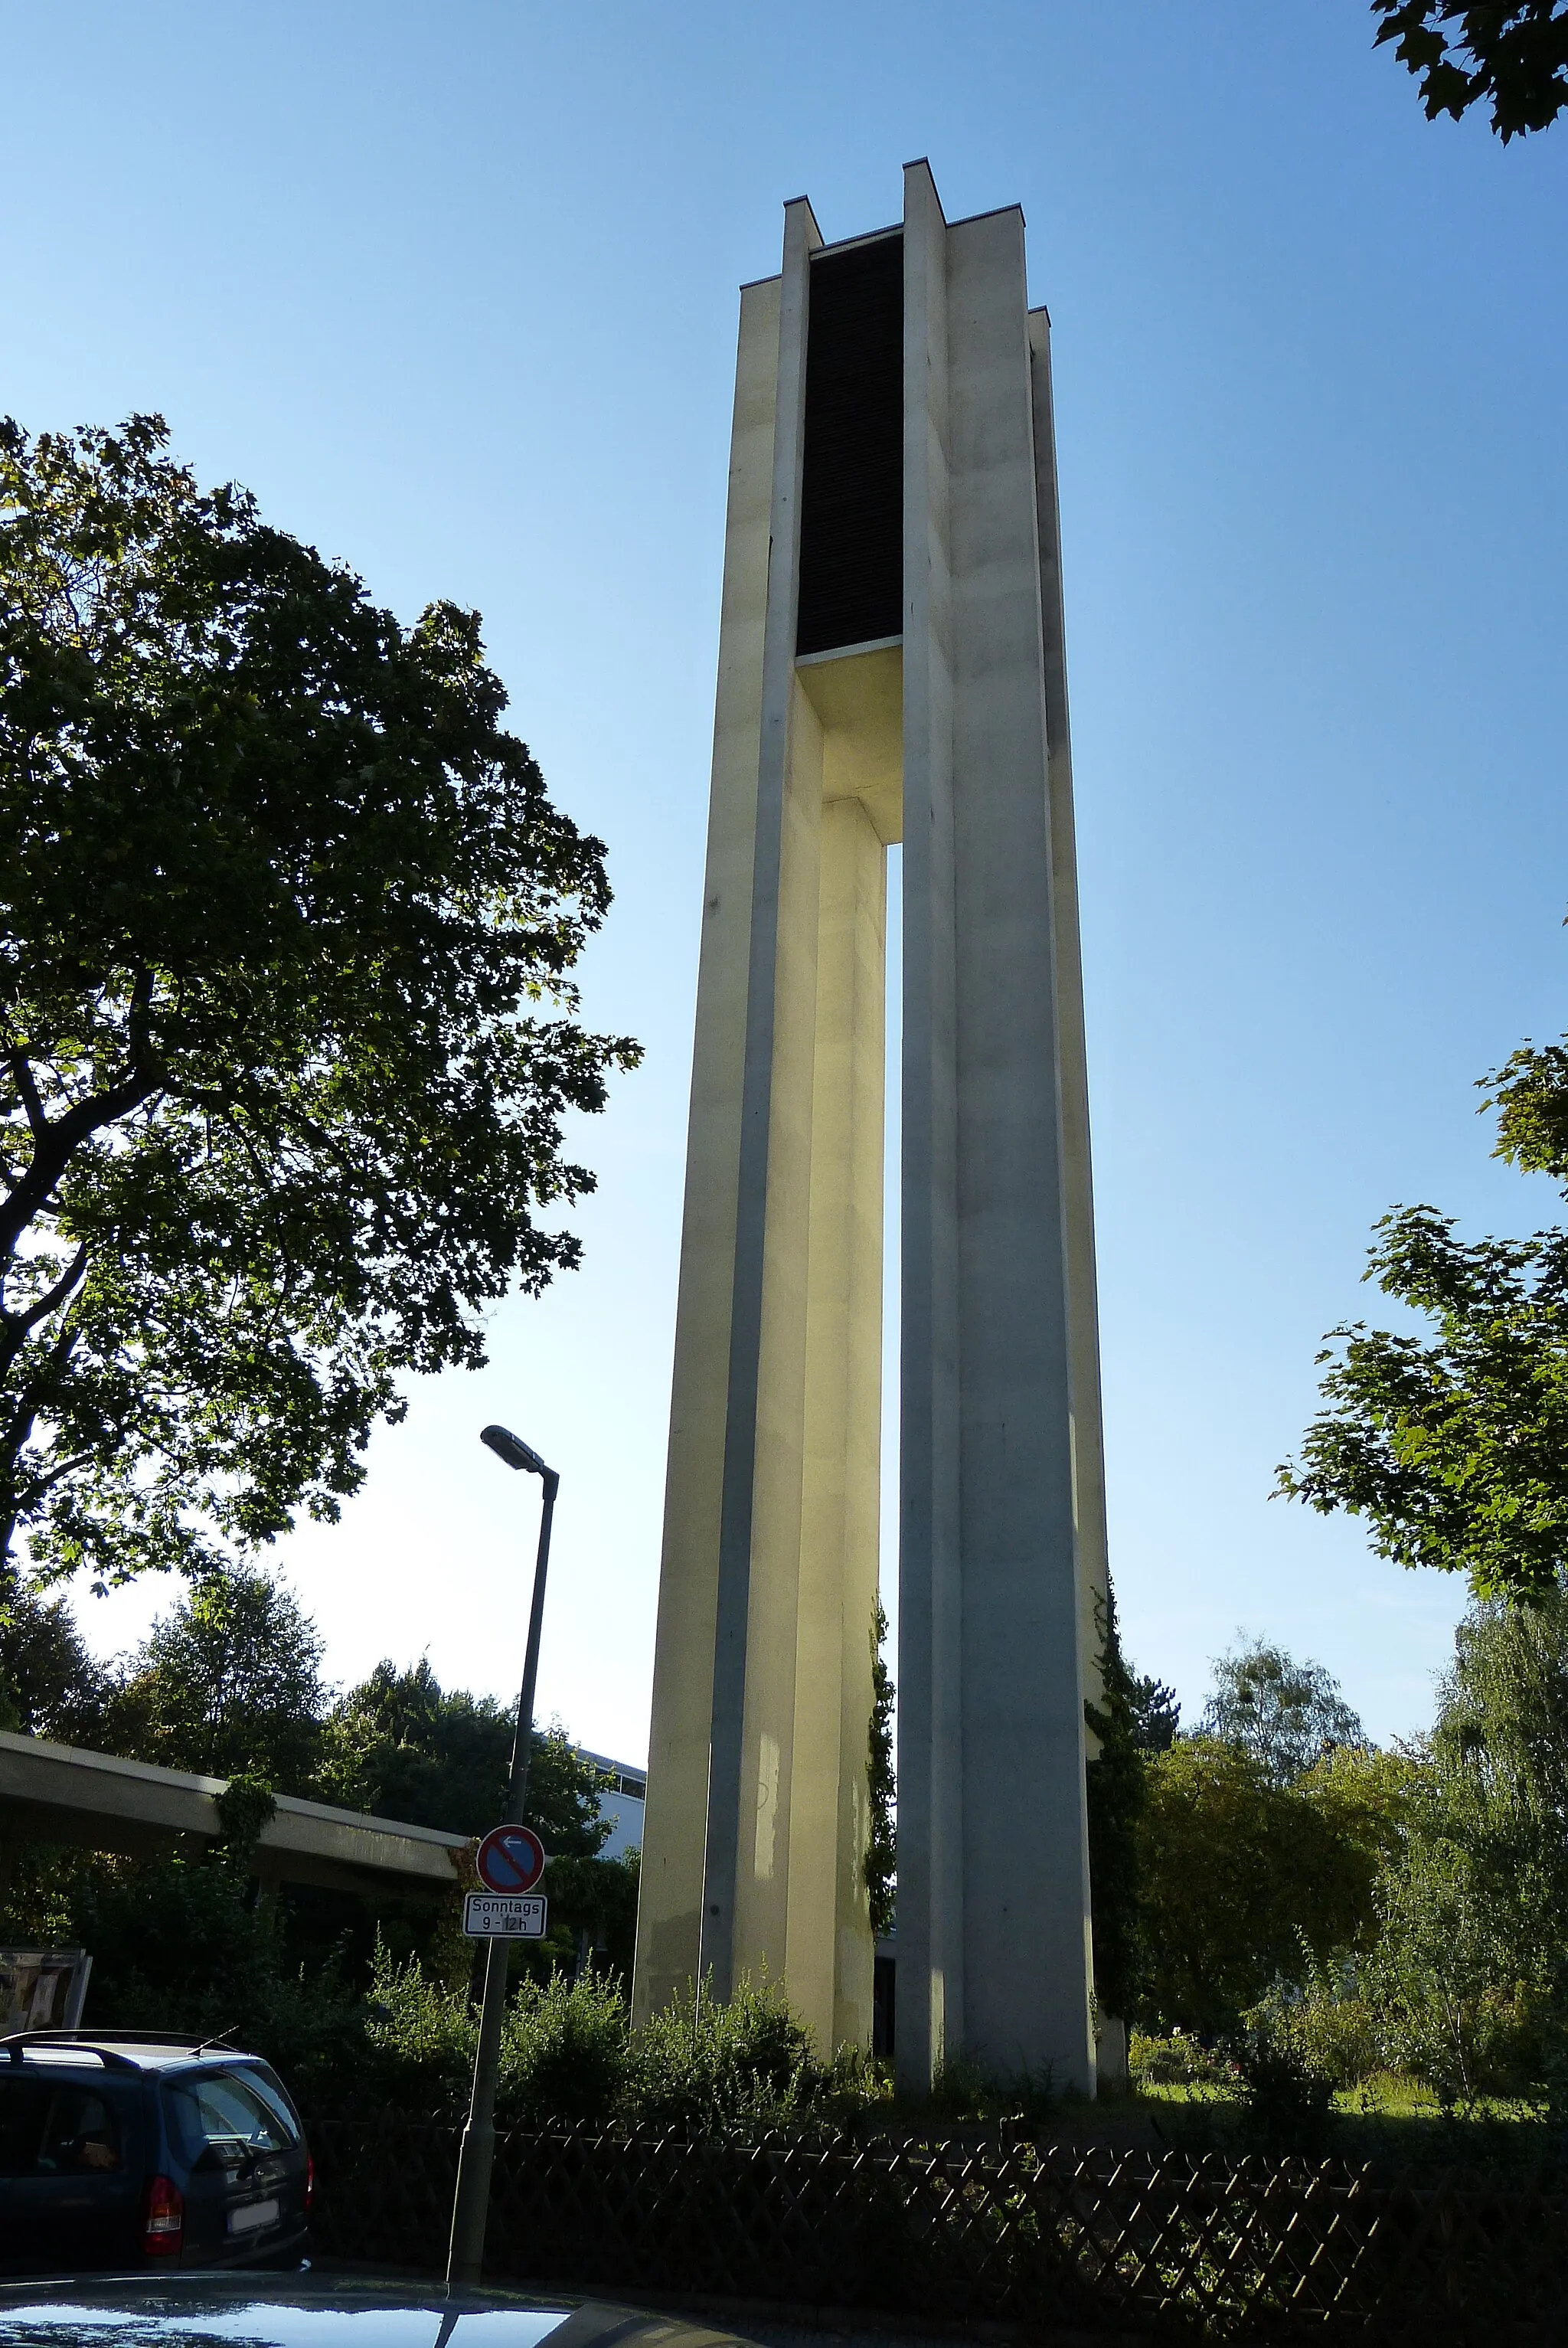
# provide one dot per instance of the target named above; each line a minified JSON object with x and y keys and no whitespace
{"x":1174,"y":2247}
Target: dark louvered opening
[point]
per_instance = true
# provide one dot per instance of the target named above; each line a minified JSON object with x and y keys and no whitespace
{"x":852,"y":483}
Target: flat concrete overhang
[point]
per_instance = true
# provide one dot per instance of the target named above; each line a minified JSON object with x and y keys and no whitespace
{"x":61,"y":1794}
{"x":857,"y":692}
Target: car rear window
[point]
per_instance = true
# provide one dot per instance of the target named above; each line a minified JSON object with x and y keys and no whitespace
{"x":52,"y":2128}
{"x":227,"y":2117}
{"x":269,"y":2087}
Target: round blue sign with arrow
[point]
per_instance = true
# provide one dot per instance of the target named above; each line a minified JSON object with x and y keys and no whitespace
{"x":510,"y":1858}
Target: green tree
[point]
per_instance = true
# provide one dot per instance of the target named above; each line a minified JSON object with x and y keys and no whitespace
{"x":881,"y":1862}
{"x":287,"y":1033}
{"x":1156,"y":1713}
{"x":1511,"y":55}
{"x":1285,"y":1715}
{"x":49,"y":1684}
{"x":228,"y":1683}
{"x":1241,"y":1877}
{"x":404,"y":1747}
{"x":1127,"y":1714}
{"x":562,"y":1806}
{"x":1472,"y":1970}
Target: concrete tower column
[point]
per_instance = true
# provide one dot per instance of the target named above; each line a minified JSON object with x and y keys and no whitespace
{"x":993,"y":1914}
{"x":1073,"y":1055}
{"x":930,"y":1978}
{"x":757,"y":1818}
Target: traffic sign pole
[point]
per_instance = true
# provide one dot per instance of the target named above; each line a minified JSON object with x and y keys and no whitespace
{"x":475,"y":2156}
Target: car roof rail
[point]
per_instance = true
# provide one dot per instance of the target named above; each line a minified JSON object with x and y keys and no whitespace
{"x":20,"y":2041}
{"x":106,"y":2043}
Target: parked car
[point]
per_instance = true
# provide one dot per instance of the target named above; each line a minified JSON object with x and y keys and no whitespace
{"x":121,"y":2150}
{"x":311,"y":2311}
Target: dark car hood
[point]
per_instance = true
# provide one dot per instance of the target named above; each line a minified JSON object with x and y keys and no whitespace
{"x":216,"y":2310}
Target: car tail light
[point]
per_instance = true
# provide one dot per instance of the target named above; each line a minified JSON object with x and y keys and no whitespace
{"x":163,"y":2237}
{"x":310,"y":2183}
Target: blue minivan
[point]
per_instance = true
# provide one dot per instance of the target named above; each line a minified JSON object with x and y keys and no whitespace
{"x":123,"y":2148}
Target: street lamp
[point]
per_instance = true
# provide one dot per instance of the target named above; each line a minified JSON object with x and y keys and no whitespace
{"x":471,"y":2202}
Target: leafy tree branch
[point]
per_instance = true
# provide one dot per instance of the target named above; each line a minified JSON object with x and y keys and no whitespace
{"x":1508,"y":55}
{"x":1455,"y":1451}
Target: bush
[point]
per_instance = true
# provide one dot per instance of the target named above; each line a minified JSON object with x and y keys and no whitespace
{"x":1339,"y":2036}
{"x":1177,"y":2061}
{"x":1287,"y":2099}
{"x":566,"y":2055}
{"x":703,"y":2065}
{"x":1290,"y":2102}
{"x":569,"y":2057}
{"x":419,"y":2041}
{"x":1328,"y":2019}
{"x":188,"y":1944}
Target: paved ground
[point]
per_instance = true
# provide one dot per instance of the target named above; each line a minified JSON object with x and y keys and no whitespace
{"x":788,"y":2335}
{"x":772,"y":2327}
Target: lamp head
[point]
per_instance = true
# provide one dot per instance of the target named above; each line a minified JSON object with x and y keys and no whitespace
{"x":512,"y":1449}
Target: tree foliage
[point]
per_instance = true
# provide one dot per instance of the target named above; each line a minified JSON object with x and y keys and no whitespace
{"x":181,"y":1942}
{"x":1156,"y":1713}
{"x":228,"y":1683}
{"x":1464,"y":1982}
{"x":1472,"y":1967}
{"x":49,"y":1684}
{"x":1243,"y":1878}
{"x":881,"y":1862}
{"x":287,"y":1033}
{"x":404,"y":1747}
{"x":1455,"y":1451}
{"x":1284,"y":1714}
{"x":1510,"y":55}
{"x":1117,"y":1794}
{"x":594,"y":1901}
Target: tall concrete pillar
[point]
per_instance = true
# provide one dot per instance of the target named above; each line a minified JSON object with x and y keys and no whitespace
{"x":890,"y":668}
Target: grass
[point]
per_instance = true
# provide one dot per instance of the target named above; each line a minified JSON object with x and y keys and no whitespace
{"x":1391,"y":2124}
{"x":1389,"y":2121}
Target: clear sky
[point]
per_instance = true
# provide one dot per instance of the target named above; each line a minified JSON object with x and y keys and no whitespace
{"x":453,"y":290}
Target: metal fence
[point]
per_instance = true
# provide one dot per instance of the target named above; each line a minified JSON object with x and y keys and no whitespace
{"x":1169,"y":2246}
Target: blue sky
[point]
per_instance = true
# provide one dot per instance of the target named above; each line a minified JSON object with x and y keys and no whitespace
{"x":454,"y":292}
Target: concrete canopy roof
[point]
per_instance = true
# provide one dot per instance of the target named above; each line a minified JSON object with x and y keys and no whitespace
{"x":60,"y":1793}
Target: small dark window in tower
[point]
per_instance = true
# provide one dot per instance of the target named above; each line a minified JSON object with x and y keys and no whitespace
{"x":852,"y":477}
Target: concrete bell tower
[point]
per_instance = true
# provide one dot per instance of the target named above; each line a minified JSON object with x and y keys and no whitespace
{"x":890,"y":669}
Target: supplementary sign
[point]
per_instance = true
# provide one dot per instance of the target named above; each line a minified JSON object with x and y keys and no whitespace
{"x":505,"y":1915}
{"x":510,"y":1858}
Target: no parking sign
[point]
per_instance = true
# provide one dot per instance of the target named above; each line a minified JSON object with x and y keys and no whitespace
{"x":509,"y":1862}
{"x":510,"y":1858}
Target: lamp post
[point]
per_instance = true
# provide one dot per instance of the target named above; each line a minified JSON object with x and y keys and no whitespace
{"x":471,"y":2202}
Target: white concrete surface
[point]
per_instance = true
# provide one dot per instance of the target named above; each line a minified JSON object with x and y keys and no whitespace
{"x":60,"y":1793}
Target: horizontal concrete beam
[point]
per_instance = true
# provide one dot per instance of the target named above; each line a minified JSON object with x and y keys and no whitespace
{"x":60,"y":1793}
